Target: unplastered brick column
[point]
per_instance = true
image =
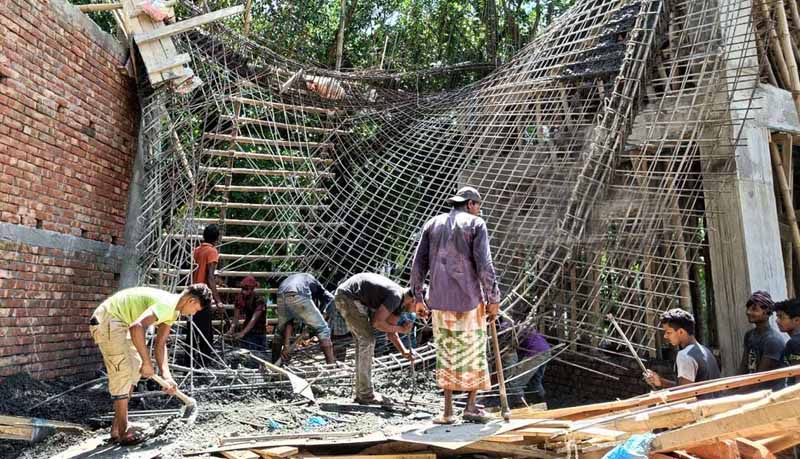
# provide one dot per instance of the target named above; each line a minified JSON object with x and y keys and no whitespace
{"x":68,"y":129}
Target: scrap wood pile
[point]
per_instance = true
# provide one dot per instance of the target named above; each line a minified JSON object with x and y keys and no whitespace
{"x":709,"y":420}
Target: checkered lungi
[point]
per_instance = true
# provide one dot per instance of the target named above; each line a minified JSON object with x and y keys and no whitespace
{"x":460,"y":338}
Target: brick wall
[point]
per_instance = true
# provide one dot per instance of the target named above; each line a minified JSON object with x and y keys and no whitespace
{"x":67,"y":123}
{"x":68,"y":127}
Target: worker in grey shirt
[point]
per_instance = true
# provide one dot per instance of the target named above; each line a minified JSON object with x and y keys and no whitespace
{"x":763,"y":345}
{"x":296,"y":297}
{"x":370,"y":302}
{"x":694,"y":362}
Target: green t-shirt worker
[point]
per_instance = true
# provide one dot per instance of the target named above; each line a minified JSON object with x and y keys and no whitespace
{"x":118,"y":328}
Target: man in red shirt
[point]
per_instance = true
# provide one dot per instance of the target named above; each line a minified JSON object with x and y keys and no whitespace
{"x":206,"y":258}
{"x":253,"y":335}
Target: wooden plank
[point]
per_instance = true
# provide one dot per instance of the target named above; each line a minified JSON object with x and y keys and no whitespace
{"x":506,"y":438}
{"x":244,"y":454}
{"x":781,"y":442}
{"x":752,"y":450}
{"x":730,"y":426}
{"x":663,"y":396}
{"x":278,"y":451}
{"x":178,"y":61}
{"x":19,"y":421}
{"x":374,"y":456}
{"x":725,"y":449}
{"x":16,"y":432}
{"x":508,"y":450}
{"x":185,"y":26}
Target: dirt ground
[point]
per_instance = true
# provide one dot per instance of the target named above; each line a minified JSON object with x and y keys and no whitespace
{"x":222,"y":414}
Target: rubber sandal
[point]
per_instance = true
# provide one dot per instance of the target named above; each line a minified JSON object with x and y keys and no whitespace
{"x":445,"y":421}
{"x":132,"y":438}
{"x":374,"y":400}
{"x":478,"y":417}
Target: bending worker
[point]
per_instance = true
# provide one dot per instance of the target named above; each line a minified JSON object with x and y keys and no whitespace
{"x":118,"y":328}
{"x":370,"y":302}
{"x":296,"y":297}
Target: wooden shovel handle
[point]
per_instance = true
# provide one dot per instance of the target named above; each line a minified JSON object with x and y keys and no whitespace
{"x":183,"y":397}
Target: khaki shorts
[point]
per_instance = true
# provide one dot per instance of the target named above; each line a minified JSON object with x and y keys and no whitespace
{"x":121,"y":358}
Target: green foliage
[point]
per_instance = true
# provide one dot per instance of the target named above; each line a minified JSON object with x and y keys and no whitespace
{"x":103,"y":19}
{"x":414,"y":33}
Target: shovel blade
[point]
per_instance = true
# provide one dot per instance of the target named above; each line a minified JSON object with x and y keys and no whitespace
{"x":302,"y":387}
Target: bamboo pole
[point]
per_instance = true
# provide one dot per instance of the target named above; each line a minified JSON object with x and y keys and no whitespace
{"x":788,"y":165}
{"x":788,"y":50}
{"x":786,"y":194}
{"x":774,"y":43}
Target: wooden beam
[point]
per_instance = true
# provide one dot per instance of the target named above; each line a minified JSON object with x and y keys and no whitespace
{"x":278,"y":451}
{"x":185,"y":26}
{"x":764,"y":418}
{"x":240,"y":455}
{"x":97,"y":7}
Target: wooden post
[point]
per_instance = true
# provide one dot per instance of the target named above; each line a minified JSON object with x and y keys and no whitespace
{"x":340,"y":36}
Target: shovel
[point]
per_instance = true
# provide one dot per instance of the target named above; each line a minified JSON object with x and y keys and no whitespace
{"x":189,"y":409}
{"x":501,"y":380}
{"x":299,"y":385}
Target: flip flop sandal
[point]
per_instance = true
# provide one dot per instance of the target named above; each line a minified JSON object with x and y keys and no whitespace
{"x":132,"y":438}
{"x":478,"y":417}
{"x":445,"y":421}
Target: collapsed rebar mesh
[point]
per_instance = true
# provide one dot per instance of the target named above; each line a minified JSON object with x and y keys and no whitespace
{"x":593,"y":149}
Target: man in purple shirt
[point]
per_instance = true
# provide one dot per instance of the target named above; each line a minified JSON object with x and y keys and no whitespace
{"x":454,"y":249}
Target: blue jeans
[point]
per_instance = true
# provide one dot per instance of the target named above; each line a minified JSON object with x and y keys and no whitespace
{"x":301,"y":310}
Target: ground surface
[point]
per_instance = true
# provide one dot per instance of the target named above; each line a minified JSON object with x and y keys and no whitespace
{"x":223,"y":414}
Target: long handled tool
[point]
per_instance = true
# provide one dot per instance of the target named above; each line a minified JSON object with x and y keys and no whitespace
{"x":189,"y":410}
{"x":299,"y":385}
{"x":630,"y":347}
{"x":501,"y":380}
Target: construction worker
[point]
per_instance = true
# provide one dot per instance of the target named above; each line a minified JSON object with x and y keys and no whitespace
{"x":206,"y":257}
{"x":788,"y":313}
{"x":297,"y":296}
{"x":463,"y":292}
{"x":694,"y":362}
{"x":370,"y":302}
{"x":763,"y":345}
{"x":250,"y":304}
{"x":118,"y":328}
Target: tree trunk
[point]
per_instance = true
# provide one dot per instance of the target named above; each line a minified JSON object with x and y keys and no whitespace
{"x":491,"y":31}
{"x":535,"y":26}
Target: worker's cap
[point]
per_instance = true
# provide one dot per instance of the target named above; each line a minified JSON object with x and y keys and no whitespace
{"x":249,"y":282}
{"x":465,"y":194}
{"x":761,"y":298}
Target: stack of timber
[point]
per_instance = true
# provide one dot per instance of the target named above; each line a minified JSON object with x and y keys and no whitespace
{"x":153,"y":37}
{"x":724,"y":418}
